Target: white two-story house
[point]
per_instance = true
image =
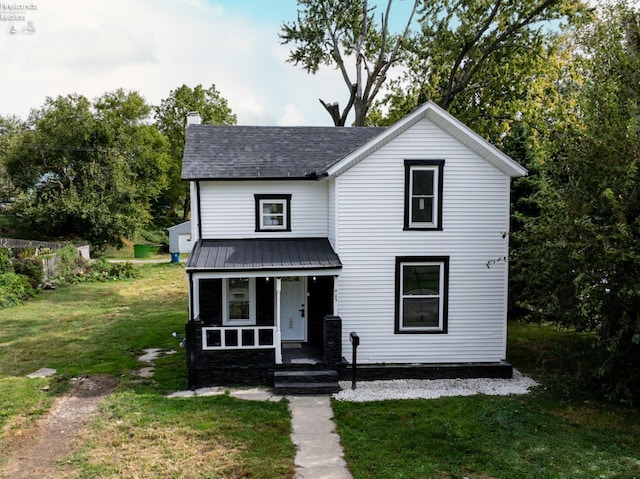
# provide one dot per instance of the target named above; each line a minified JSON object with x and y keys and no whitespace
{"x":303,"y":235}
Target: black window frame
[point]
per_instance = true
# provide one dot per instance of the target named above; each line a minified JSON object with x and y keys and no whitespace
{"x":417,"y":260}
{"x":409,"y":165}
{"x":259,"y":198}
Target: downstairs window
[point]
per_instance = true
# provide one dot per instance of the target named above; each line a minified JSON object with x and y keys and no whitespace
{"x":421,"y":294}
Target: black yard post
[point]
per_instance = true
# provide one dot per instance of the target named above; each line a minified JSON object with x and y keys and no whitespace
{"x":355,"y":342}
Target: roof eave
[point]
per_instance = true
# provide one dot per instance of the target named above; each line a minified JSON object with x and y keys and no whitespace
{"x":444,"y":120}
{"x":253,"y":178}
{"x":264,"y":269}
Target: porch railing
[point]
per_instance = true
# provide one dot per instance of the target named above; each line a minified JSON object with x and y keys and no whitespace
{"x":239,"y":337}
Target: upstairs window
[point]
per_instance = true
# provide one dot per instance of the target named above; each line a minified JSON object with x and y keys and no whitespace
{"x":423,"y":194}
{"x":273,"y":212}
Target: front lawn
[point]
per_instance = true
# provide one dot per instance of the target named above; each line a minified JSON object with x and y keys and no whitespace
{"x":149,"y":436}
{"x":559,"y":431}
{"x":101,"y":328}
{"x":546,"y":434}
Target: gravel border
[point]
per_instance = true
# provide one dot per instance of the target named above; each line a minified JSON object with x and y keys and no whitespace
{"x":434,"y":388}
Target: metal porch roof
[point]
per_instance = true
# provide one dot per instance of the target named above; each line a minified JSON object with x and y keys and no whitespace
{"x":262,"y":254}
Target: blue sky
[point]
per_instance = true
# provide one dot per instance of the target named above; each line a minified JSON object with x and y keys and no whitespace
{"x":153,"y":46}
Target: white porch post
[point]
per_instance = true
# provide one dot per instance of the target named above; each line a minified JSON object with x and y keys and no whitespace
{"x":277,"y":338}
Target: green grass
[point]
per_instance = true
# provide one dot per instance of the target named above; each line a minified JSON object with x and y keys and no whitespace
{"x":101,"y":328}
{"x":546,"y":434}
{"x":95,"y":328}
{"x":559,"y":431}
{"x":146,"y":436}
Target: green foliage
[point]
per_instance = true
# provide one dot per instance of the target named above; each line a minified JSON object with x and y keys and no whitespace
{"x":158,"y":237}
{"x":26,"y":253}
{"x":331,"y":33}
{"x":478,"y":60}
{"x":10,"y":129}
{"x":578,"y":257}
{"x":6,"y":265}
{"x":171,"y":117}
{"x":101,"y":270}
{"x":73,"y":268}
{"x":67,"y":260}
{"x":88,"y":170}
{"x":14,"y":288}
{"x":31,"y":268}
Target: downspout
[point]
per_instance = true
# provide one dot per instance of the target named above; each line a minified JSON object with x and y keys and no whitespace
{"x":190,"y":278}
{"x":190,"y":336}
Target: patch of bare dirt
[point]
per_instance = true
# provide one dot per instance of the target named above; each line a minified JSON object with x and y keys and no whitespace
{"x":34,"y":452}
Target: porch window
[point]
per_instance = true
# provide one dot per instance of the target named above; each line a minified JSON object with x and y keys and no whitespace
{"x":273,"y":212}
{"x":421,"y":294}
{"x":423,"y":194}
{"x":240,"y":294}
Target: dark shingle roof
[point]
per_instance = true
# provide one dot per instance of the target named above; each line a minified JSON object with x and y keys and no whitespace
{"x":239,"y":152}
{"x":262,"y":254}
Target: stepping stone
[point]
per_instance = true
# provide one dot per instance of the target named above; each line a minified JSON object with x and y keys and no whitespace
{"x":42,"y":373}
{"x":150,"y":355}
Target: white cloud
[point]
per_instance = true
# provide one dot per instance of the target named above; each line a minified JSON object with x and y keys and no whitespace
{"x":291,"y":117}
{"x":154,"y":46}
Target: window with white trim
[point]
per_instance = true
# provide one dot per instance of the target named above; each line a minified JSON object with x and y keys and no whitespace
{"x":273,"y":212}
{"x":423,"y":194}
{"x":421,"y":294}
{"x":239,"y":305}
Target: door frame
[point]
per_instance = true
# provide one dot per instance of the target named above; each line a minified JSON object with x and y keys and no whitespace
{"x":303,"y":299}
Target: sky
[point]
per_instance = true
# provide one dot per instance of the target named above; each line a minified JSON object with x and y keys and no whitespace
{"x":57,"y":47}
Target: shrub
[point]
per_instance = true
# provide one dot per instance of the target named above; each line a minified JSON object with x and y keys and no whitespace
{"x":100,"y":270}
{"x":26,"y":253}
{"x":14,"y":288}
{"x":67,"y":261}
{"x":160,"y":237}
{"x":117,"y":270}
{"x":6,"y":266}
{"x":31,"y":268}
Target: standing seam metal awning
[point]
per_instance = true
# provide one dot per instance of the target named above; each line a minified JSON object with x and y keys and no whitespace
{"x":262,"y":255}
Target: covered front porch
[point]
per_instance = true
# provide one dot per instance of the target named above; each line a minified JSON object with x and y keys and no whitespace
{"x":255,"y":304}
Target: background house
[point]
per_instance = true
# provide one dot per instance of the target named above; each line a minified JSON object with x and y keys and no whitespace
{"x":180,"y":238}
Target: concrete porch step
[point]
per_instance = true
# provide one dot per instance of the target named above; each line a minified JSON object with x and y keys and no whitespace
{"x":306,"y":382}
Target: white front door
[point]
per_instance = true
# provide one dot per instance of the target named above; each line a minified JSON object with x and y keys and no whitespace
{"x":293,"y":323}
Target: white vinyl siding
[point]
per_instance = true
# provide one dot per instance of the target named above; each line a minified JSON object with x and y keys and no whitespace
{"x":370,"y":235}
{"x":228,"y":208}
{"x":332,"y":212}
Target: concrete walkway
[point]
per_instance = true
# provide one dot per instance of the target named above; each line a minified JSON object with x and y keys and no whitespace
{"x":320,"y":454}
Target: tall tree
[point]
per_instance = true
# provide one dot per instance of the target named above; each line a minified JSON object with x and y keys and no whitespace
{"x":88,"y":170}
{"x":171,"y":117}
{"x":10,"y":129}
{"x":477,"y":58}
{"x":581,"y":253}
{"x":333,"y":32}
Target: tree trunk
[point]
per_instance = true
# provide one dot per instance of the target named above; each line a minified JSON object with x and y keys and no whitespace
{"x":361,"y":109}
{"x":187,"y":207}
